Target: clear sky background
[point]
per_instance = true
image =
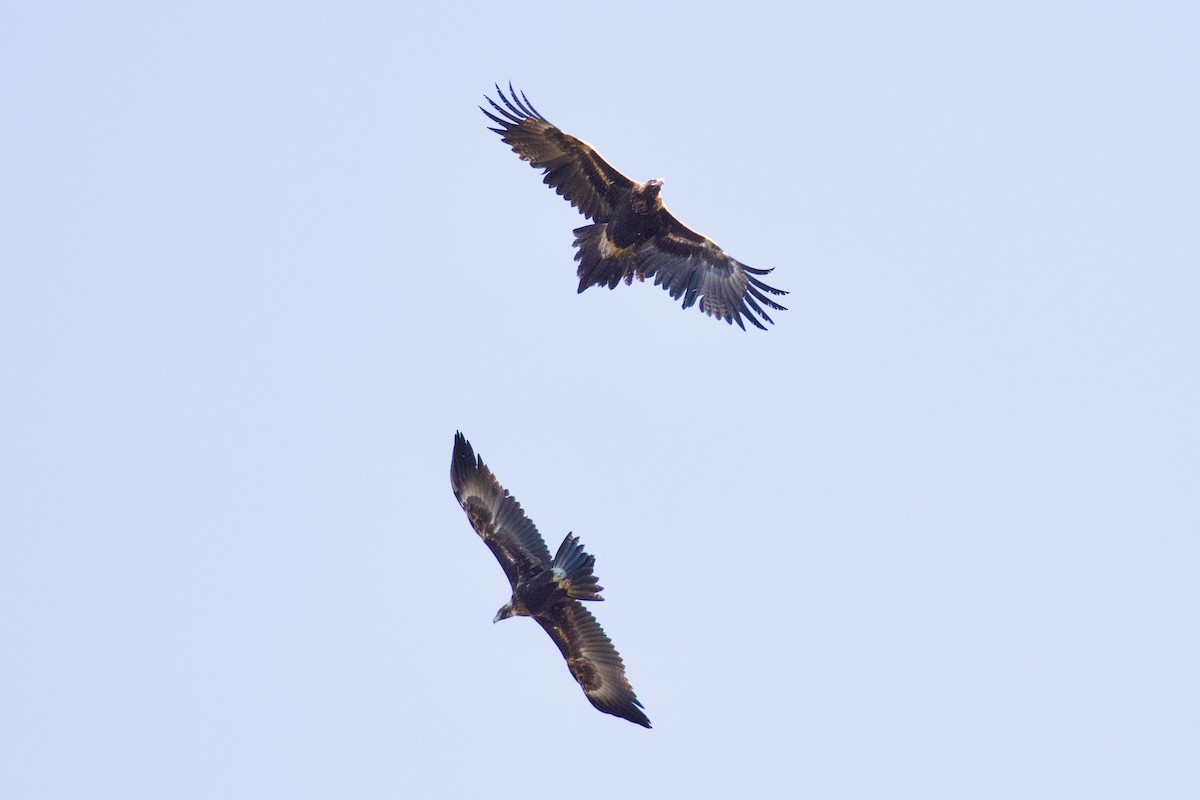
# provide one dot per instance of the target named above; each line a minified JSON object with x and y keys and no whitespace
{"x":933,"y":535}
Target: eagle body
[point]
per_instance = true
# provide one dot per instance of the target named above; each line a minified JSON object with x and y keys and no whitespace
{"x":536,"y":592}
{"x":549,"y":590}
{"x":635,"y":218}
{"x":632,"y":234}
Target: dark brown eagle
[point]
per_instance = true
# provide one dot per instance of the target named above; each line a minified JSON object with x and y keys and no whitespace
{"x":632,"y":235}
{"x":549,"y":591}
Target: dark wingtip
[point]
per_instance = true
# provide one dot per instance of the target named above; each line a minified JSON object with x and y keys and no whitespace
{"x":636,"y":715}
{"x":463,"y":461}
{"x":516,"y":106}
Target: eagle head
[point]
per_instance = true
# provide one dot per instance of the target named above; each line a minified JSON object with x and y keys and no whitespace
{"x":505,"y":612}
{"x":653,"y":186}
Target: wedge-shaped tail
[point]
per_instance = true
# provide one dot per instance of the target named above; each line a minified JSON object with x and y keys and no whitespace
{"x":601,"y":263}
{"x":573,"y":570}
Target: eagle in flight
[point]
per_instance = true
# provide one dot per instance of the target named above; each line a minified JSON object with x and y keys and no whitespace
{"x":548,"y":590}
{"x":632,"y":234}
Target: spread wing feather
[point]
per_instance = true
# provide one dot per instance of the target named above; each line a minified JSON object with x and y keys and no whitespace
{"x":683,"y":262}
{"x":572,"y":167}
{"x":593,"y":660}
{"x":495,"y":514}
{"x":693,"y":267}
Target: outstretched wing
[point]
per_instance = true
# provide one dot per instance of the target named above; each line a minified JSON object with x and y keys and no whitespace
{"x":572,"y":167}
{"x":495,"y":514}
{"x":593,"y":660}
{"x":691,"y":266}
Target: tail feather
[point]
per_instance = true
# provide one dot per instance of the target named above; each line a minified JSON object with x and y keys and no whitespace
{"x":573,"y":570}
{"x":601,"y":263}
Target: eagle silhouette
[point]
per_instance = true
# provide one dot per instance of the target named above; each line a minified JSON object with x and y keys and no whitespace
{"x":632,"y":234}
{"x":548,"y":590}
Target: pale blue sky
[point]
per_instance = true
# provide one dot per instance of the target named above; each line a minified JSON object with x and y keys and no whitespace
{"x":934,"y":535}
